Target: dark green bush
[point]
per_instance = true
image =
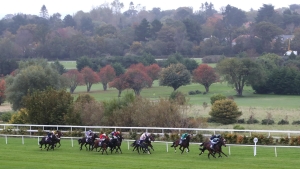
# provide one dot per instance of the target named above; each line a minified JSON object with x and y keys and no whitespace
{"x":252,"y":121}
{"x":241,"y":121}
{"x":216,"y":97}
{"x":296,"y":122}
{"x":198,"y":92}
{"x":192,"y":92}
{"x":267,"y":122}
{"x":283,"y":122}
{"x":5,"y":117}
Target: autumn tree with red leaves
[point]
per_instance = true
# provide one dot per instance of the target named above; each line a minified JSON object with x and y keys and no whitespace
{"x":73,"y":78}
{"x":2,"y":91}
{"x":89,"y":77}
{"x":205,"y":75}
{"x":153,"y":72}
{"x":137,"y":80}
{"x":106,"y":75}
{"x":119,"y":83}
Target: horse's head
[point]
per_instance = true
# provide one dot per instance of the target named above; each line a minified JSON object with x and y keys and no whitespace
{"x":94,"y":136}
{"x":188,"y":138}
{"x":59,"y":134}
{"x":151,"y":138}
{"x":222,"y":141}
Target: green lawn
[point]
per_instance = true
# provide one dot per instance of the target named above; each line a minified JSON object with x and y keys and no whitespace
{"x":69,"y":64}
{"x":249,"y":99}
{"x":14,"y":155}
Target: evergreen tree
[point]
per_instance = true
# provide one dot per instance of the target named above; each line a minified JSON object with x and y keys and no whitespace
{"x":142,"y":32}
{"x":44,"y":12}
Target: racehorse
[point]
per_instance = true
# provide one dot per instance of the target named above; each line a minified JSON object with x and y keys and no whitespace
{"x":51,"y":142}
{"x":185,"y":144}
{"x":144,"y":146}
{"x":90,"y":142}
{"x":147,"y":141}
{"x":103,"y":146}
{"x":115,"y":144}
{"x":58,"y":136}
{"x":217,"y":148}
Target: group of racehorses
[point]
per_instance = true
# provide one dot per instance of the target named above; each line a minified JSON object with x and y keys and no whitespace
{"x":52,"y":141}
{"x":206,"y":146}
{"x":94,"y":143}
{"x":145,"y":146}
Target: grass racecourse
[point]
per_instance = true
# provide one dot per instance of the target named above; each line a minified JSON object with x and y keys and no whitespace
{"x":15,"y":155}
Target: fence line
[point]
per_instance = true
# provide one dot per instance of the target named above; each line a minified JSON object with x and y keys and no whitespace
{"x":163,"y":130}
{"x":167,"y":143}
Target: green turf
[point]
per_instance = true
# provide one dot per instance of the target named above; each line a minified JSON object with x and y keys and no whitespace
{"x":249,"y":99}
{"x":14,"y":155}
{"x":69,"y":64}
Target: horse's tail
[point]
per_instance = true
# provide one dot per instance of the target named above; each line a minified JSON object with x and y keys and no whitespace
{"x":79,"y":141}
{"x":201,"y":144}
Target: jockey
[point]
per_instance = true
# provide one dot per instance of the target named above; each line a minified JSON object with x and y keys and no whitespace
{"x":183,"y":137}
{"x":143,"y":137}
{"x":214,"y":139}
{"x":102,"y":138}
{"x":114,"y":134}
{"x":49,"y":135}
{"x":88,"y":135}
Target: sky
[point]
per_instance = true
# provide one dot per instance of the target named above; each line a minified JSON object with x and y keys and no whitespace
{"x":65,"y":7}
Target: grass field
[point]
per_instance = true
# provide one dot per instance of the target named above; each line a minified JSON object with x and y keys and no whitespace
{"x":14,"y":155}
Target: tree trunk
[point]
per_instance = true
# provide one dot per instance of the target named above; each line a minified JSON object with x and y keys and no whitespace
{"x":206,"y":89}
{"x":137,"y":92}
{"x":120,"y":91}
{"x":104,"y":86}
{"x":72,"y":89}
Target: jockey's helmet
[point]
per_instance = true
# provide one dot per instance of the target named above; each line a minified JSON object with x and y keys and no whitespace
{"x":218,"y":135}
{"x":90,"y":131}
{"x":104,"y":134}
{"x":118,"y":132}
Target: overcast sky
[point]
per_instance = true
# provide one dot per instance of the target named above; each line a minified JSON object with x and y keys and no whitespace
{"x":65,"y":7}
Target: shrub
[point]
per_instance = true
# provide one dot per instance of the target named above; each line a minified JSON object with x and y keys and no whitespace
{"x":197,"y":138}
{"x":6,"y":116}
{"x":296,"y":122}
{"x":252,"y":121}
{"x":241,"y":121}
{"x":198,"y":92}
{"x":192,"y":92}
{"x":205,"y":105}
{"x":216,"y":97}
{"x":225,"y":111}
{"x":267,"y":122}
{"x":132,"y":135}
{"x":283,"y":122}
{"x":178,"y":97}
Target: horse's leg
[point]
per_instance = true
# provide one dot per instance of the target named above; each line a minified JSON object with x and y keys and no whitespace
{"x":188,"y":150}
{"x":181,"y":149}
{"x":119,"y":148}
{"x":223,"y":153}
{"x":202,"y":150}
{"x":59,"y":144}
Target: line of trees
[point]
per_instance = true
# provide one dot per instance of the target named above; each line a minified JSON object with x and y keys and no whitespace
{"x":105,"y":31}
